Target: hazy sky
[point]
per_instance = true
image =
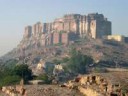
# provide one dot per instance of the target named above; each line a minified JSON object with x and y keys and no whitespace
{"x":16,"y":14}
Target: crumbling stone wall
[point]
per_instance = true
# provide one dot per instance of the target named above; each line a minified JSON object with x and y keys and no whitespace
{"x":89,"y":92}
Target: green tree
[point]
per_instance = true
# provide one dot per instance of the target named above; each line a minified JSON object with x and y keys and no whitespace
{"x":23,"y":71}
{"x":9,"y":76}
{"x":78,"y":62}
{"x":10,"y":80}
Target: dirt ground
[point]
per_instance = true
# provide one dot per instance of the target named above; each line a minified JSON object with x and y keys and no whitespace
{"x":50,"y":90}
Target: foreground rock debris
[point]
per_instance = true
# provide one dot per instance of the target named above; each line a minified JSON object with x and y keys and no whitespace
{"x":100,"y":84}
{"x":46,"y":90}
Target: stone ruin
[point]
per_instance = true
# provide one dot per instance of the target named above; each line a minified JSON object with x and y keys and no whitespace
{"x":17,"y":90}
{"x":95,"y":85}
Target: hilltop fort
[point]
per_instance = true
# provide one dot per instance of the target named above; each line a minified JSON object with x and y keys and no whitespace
{"x":68,"y":28}
{"x":91,"y":34}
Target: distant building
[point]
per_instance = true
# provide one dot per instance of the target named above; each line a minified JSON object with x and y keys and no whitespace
{"x":50,"y":39}
{"x":69,"y":28}
{"x":58,"y":25}
{"x":37,"y":28}
{"x":64,"y":38}
{"x":94,"y":25}
{"x":43,"y":41}
{"x":28,"y":32}
{"x":119,"y":38}
{"x":56,"y":38}
{"x":126,"y":39}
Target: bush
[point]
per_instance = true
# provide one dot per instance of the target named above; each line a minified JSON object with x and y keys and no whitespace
{"x":49,"y":70}
{"x":78,"y":62}
{"x":55,"y":61}
{"x":65,"y":60}
{"x":45,"y":78}
{"x":10,"y":76}
{"x":10,"y":80}
{"x":23,"y":71}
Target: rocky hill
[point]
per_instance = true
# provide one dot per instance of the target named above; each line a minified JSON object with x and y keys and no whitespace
{"x":110,"y":53}
{"x":50,"y":41}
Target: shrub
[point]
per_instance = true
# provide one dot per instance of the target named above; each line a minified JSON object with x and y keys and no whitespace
{"x":45,"y":78}
{"x":78,"y":62}
{"x":56,"y":61}
{"x":10,"y":80}
{"x":23,"y":71}
{"x":66,"y":59}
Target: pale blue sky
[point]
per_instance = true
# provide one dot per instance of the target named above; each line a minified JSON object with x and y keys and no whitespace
{"x":16,"y":14}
